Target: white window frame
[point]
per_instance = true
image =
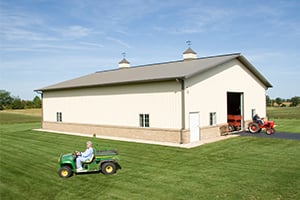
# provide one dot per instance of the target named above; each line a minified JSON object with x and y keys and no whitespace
{"x":212,"y":118}
{"x":58,"y":116}
{"x":253,"y":112}
{"x":144,"y":120}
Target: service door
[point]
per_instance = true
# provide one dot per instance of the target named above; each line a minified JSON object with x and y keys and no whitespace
{"x":194,"y":127}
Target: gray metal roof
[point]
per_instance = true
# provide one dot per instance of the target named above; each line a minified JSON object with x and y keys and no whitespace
{"x":154,"y":72}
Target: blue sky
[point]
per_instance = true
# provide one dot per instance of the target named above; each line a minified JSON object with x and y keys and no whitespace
{"x":43,"y":42}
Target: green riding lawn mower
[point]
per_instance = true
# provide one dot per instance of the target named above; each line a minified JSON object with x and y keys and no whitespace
{"x":105,"y":161}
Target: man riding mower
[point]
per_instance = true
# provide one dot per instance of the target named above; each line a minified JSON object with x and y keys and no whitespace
{"x":259,"y":123}
{"x":104,"y":160}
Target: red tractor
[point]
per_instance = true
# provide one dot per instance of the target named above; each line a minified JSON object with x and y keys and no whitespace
{"x":255,"y":127}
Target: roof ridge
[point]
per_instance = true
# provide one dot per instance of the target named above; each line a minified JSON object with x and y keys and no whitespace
{"x":168,"y":62}
{"x":221,"y":55}
{"x":154,"y":72}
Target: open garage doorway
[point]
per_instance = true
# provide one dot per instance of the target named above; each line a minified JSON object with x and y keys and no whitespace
{"x":235,"y":111}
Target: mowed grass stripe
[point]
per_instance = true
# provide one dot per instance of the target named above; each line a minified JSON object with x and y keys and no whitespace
{"x":238,"y":168}
{"x":287,"y":125}
{"x":6,"y":118}
{"x":287,"y":119}
{"x":283,"y":112}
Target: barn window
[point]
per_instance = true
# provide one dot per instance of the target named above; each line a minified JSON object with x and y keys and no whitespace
{"x":144,"y":120}
{"x":253,"y":112}
{"x":212,"y":118}
{"x":59,"y":117}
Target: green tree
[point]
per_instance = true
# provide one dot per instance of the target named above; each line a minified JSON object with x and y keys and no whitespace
{"x":268,"y":101}
{"x":5,"y":99}
{"x":295,"y":101}
{"x":279,"y":101}
{"x":37,"y":103}
{"x":29,"y":104}
{"x":18,"y":103}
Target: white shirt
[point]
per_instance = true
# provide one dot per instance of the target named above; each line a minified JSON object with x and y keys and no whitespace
{"x":88,"y":153}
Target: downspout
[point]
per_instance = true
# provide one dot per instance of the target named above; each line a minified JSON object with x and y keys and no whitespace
{"x":182,"y":109}
{"x":42,"y":101}
{"x":42,"y":107}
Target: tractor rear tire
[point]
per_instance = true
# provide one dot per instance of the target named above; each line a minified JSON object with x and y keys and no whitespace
{"x":108,"y":168}
{"x":254,"y":128}
{"x":65,"y":172}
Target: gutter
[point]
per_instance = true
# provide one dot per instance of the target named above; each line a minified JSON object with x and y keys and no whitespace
{"x":53,"y":88}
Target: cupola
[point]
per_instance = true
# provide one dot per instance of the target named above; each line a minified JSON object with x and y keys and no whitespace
{"x":189,"y":54}
{"x":124,"y":63}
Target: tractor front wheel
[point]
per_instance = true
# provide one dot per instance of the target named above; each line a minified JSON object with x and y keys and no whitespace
{"x":65,"y":172}
{"x":270,"y":131}
{"x":254,"y":128}
{"x":108,"y":168}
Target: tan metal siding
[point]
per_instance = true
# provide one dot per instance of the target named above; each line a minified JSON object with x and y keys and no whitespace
{"x":207,"y":92}
{"x":117,"y":105}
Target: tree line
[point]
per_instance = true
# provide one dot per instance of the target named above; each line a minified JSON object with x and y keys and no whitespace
{"x":7,"y":101}
{"x":279,"y":102}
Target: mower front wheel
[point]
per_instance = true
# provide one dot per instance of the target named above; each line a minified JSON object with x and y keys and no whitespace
{"x":65,"y":172}
{"x":270,"y":131}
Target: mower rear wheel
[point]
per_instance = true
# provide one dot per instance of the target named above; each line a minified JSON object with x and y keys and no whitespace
{"x":108,"y":168}
{"x":254,"y":128}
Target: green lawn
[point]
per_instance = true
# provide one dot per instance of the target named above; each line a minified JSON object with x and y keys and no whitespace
{"x":287,"y":119}
{"x":9,"y":117}
{"x":287,"y":125}
{"x":283,"y":112}
{"x":237,"y":168}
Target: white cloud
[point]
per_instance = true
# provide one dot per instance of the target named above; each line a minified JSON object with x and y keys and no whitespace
{"x":27,"y":26}
{"x":49,"y":47}
{"x":21,"y":26}
{"x":15,"y":33}
{"x":75,"y":32}
{"x":259,"y":55}
{"x":118,"y":41}
{"x":13,"y":18}
{"x":90,"y":44}
{"x":194,"y":20}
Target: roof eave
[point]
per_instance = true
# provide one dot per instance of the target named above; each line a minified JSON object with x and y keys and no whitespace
{"x":110,"y":84}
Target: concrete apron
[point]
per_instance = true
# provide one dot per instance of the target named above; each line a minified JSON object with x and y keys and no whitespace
{"x":188,"y":146}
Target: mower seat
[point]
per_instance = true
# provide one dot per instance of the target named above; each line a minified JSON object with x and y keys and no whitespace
{"x":91,"y":159}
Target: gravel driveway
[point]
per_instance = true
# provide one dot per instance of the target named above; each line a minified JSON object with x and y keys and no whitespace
{"x":280,"y":135}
